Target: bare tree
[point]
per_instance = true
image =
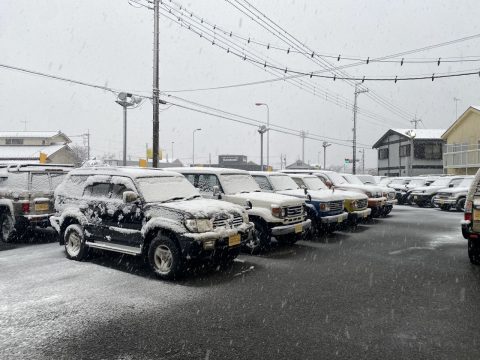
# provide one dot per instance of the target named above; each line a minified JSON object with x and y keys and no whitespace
{"x":80,"y":154}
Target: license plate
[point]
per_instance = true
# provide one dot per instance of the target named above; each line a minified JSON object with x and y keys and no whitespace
{"x":298,"y":228}
{"x":415,"y":197}
{"x":339,"y":220}
{"x":476,"y":215}
{"x":234,"y":240}
{"x":41,"y":207}
{"x":441,"y":201}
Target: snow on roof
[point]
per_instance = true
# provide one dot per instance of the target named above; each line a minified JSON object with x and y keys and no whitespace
{"x":29,"y":134}
{"x":208,"y":170}
{"x":26,"y":152}
{"x":266,"y":173}
{"x":133,"y":172}
{"x":422,"y":133}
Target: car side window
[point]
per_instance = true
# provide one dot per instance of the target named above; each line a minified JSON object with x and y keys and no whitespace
{"x":206,"y":182}
{"x":98,"y":190}
{"x":40,"y":182}
{"x":117,"y":191}
{"x":56,"y":179}
{"x":299,"y":182}
{"x":263,"y":182}
{"x":120,"y":185}
{"x":455,"y":182}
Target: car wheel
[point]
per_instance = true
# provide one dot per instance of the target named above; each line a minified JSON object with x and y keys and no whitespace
{"x":74,"y":241}
{"x":473,"y":252}
{"x":260,"y":240}
{"x":410,"y":200}
{"x":461,"y":204}
{"x":164,"y":258}
{"x":432,"y":203}
{"x":7,"y":228}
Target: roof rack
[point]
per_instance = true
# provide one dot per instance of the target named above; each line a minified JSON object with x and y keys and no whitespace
{"x":52,"y":167}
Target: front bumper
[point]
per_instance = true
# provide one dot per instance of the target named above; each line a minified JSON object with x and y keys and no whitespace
{"x":42,"y":220}
{"x":421,"y":198}
{"x":391,"y":202}
{"x":291,"y":228}
{"x":359,"y":215}
{"x":339,"y":218}
{"x":443,"y":201}
{"x":376,"y":202}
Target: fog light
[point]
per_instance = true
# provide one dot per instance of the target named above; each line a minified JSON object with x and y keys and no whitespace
{"x":209,"y":244}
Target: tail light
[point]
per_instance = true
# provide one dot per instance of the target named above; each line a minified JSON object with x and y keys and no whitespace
{"x":26,"y":207}
{"x":468,"y":211}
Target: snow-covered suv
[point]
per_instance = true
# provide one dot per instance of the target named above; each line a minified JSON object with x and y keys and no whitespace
{"x":424,"y":195}
{"x":26,"y":197}
{"x":325,"y":208}
{"x":280,"y":216}
{"x":453,"y":197}
{"x":157,"y":214}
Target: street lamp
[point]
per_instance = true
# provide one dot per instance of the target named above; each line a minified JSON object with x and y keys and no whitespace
{"x":411,"y":134}
{"x":268,"y":128}
{"x":126,"y":100}
{"x":173,"y":142}
{"x":261,"y":130}
{"x":325,"y":145}
{"x":193,"y":145}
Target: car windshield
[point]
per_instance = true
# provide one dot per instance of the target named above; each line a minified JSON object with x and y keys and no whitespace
{"x":385,"y":181}
{"x":441,"y":182}
{"x":417,"y":182}
{"x":283,"y":182}
{"x":367,"y":179}
{"x":466,"y":182}
{"x":165,"y":188}
{"x":314,"y":183}
{"x":352,"y":179}
{"x":398,"y":181}
{"x":238,"y":183}
{"x":336,"y":179}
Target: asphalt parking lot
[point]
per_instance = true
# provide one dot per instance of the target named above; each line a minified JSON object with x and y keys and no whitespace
{"x":396,"y":288}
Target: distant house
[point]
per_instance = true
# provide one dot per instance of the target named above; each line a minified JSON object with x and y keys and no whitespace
{"x":300,"y":165}
{"x":395,"y":157}
{"x":462,"y":148}
{"x":161,"y":163}
{"x":26,"y":146}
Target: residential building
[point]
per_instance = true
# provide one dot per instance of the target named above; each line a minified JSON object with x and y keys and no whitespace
{"x":395,"y":156}
{"x":300,"y":165}
{"x":26,"y":146}
{"x":462,"y":149}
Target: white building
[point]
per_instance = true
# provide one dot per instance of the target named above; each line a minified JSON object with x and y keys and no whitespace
{"x":26,"y":146}
{"x":395,"y":156}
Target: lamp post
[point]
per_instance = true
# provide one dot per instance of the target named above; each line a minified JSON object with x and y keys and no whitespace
{"x":126,"y":100}
{"x":411,"y":134}
{"x":268,"y":134}
{"x":325,"y":145}
{"x":193,"y":146}
{"x":173,"y":142}
{"x":261,"y":130}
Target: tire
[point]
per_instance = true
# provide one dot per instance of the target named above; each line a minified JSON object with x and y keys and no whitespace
{"x":410,"y":200}
{"x":74,"y":241}
{"x":461,"y":204}
{"x":473,"y":252}
{"x":164,"y":258}
{"x":7,"y":228}
{"x":289,"y":239}
{"x":261,"y":239}
{"x":432,"y":203}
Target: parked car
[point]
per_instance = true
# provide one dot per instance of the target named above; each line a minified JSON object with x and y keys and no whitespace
{"x":399,"y":184}
{"x":146,"y":212}
{"x":453,"y":197}
{"x":424,"y":195}
{"x":274,"y":215}
{"x":356,"y":204}
{"x":471,"y":222}
{"x":26,"y":197}
{"x":325,"y":208}
{"x":376,"y":201}
{"x":414,"y":183}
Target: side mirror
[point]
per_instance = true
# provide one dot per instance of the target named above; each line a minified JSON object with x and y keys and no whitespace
{"x":451,"y":185}
{"x":129,"y":196}
{"x":329,"y":184}
{"x":305,"y":190}
{"x":216,"y":190}
{"x":248,"y":205}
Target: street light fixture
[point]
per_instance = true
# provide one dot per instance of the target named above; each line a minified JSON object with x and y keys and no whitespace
{"x":126,"y":100}
{"x":325,"y":145}
{"x":193,"y":145}
{"x":261,"y":130}
{"x":268,"y":128}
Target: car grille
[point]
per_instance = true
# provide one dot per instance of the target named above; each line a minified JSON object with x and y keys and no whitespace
{"x":336,"y":206}
{"x":227,"y":221}
{"x":294,"y":211}
{"x":361,"y":204}
{"x":376,"y":195}
{"x":391,"y":196}
{"x":443,"y":195}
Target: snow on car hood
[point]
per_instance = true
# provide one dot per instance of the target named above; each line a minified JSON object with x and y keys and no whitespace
{"x":428,"y":189}
{"x":201,"y":208}
{"x":455,"y":190}
{"x":264,"y":199}
{"x":361,"y":188}
{"x":319,"y":195}
{"x":352,"y":195}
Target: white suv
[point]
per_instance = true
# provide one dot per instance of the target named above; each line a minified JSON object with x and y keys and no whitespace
{"x":280,"y":216}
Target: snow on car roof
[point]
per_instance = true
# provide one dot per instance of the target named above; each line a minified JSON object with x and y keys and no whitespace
{"x":132,"y":172}
{"x":208,"y":170}
{"x":266,"y":173}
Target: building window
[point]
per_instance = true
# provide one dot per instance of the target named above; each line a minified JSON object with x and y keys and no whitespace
{"x":405,"y":150}
{"x":383,"y":154}
{"x":428,"y":151}
{"x":14,"y":141}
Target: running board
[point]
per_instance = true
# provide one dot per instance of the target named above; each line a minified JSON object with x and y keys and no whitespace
{"x":129,"y":250}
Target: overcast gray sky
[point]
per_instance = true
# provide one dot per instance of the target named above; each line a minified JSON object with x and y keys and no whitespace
{"x":109,"y":42}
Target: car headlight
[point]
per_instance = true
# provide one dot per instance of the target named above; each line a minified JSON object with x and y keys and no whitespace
{"x":353,"y":204}
{"x":199,"y":225}
{"x":324,"y":207}
{"x":368,"y":193}
{"x":277,"y":211}
{"x":245,"y":217}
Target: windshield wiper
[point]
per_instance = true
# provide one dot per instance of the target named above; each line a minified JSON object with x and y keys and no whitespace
{"x":174,"y":199}
{"x":192,"y":197}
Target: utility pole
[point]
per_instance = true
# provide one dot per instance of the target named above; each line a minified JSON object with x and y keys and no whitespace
{"x":357,"y":92}
{"x":281,"y":161}
{"x":193,"y":145}
{"x":173,"y":142}
{"x":156,"y":91}
{"x":415,"y":122}
{"x":456,"y":106}
{"x":325,"y":145}
{"x":362,"y":151}
{"x":268,"y":129}
{"x":303,"y":135}
{"x":261,"y":130}
{"x":87,"y":135}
